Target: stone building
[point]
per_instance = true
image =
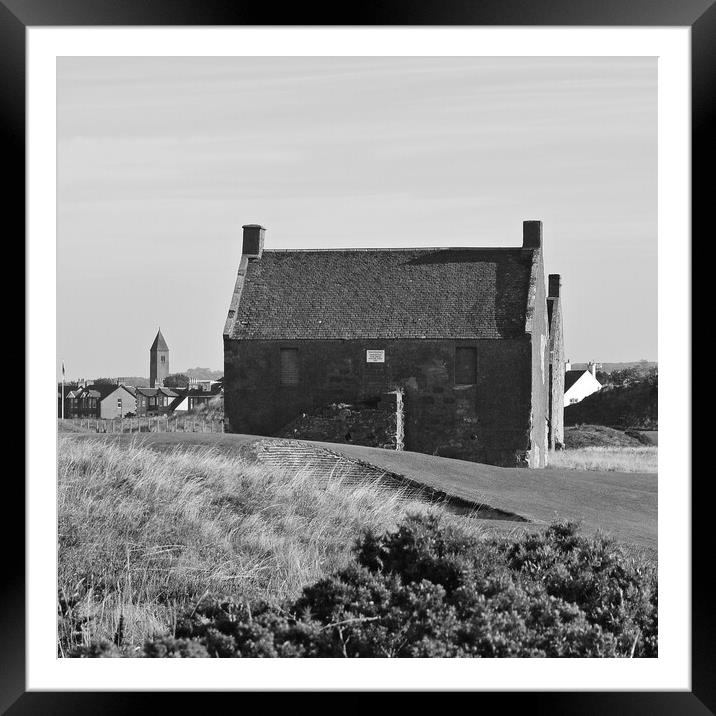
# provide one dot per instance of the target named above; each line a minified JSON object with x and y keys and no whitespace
{"x":454,"y":341}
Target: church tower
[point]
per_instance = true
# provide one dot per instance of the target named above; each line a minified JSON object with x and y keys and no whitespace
{"x":158,"y":361}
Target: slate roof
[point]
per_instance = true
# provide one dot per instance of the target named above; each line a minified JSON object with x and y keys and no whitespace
{"x":572,"y":376}
{"x":99,"y":390}
{"x":385,"y":293}
{"x":159,"y":343}
{"x":192,"y":393}
{"x":149,"y":392}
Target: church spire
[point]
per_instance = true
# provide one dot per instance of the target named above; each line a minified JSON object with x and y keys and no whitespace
{"x":158,"y":361}
{"x":159,"y":343}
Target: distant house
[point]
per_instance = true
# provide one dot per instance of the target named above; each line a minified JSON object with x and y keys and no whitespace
{"x":118,"y":403}
{"x":154,"y":401}
{"x":578,"y":384}
{"x":104,"y":400}
{"x":70,"y":395}
{"x":190,"y":399}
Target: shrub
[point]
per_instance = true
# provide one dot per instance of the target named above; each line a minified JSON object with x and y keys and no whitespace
{"x":432,"y":590}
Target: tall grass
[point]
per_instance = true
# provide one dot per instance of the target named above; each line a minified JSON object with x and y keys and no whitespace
{"x":608,"y":459}
{"x":143,"y":534}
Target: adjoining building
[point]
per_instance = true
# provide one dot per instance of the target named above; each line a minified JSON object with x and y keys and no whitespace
{"x":457,"y":340}
{"x":578,"y":384}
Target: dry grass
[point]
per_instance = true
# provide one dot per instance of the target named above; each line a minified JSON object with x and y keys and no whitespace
{"x":67,"y":426}
{"x":611,"y":459}
{"x":143,"y":535}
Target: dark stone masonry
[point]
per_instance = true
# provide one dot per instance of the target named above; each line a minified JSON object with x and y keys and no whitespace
{"x":442,"y":351}
{"x":374,"y":423}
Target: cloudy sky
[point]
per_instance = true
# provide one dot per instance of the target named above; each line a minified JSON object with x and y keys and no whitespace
{"x":161,"y":160}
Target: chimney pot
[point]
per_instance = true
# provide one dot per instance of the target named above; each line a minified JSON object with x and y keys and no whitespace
{"x":253,"y":244}
{"x":555,"y":283}
{"x":532,"y":234}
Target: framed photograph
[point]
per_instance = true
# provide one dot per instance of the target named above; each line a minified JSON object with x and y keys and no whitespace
{"x":433,"y":257}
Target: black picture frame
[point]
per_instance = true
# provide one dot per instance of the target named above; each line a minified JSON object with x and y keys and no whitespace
{"x":700,"y":15}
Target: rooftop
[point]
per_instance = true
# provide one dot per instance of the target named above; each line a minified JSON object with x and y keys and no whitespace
{"x":384,"y":293}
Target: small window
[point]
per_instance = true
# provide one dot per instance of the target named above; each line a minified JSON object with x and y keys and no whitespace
{"x":465,"y":366}
{"x":289,"y":366}
{"x":164,"y":359}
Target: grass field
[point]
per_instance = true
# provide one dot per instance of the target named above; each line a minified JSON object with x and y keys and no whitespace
{"x":150,"y":524}
{"x":623,"y":504}
{"x":143,"y":534}
{"x":609,"y":459}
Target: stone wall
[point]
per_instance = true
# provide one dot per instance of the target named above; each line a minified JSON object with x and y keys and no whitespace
{"x":373,"y":424}
{"x":489,"y":421}
{"x":556,"y":375}
{"x":538,"y":328}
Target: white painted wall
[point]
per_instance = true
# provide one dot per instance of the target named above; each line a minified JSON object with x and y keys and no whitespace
{"x":584,"y":386}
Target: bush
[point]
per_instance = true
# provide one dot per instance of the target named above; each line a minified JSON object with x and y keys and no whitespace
{"x":430,"y":590}
{"x":631,"y":405}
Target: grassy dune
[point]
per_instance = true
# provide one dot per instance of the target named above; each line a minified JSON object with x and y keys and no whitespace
{"x":608,"y":459}
{"x":144,"y":534}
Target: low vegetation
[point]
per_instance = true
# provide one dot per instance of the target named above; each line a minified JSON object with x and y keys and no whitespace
{"x":144,"y":534}
{"x":633,"y":405}
{"x":431,"y":590}
{"x":195,"y":554}
{"x":583,"y":436}
{"x":597,"y":447}
{"x":607,"y":459}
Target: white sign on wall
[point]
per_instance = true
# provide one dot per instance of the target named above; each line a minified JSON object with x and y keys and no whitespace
{"x":375,"y":356}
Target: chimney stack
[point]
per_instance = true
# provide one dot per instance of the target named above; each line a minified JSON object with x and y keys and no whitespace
{"x":555,"y":282}
{"x":253,"y":245}
{"x":531,"y":234}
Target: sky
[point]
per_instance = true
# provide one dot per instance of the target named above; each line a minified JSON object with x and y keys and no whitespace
{"x":161,"y":160}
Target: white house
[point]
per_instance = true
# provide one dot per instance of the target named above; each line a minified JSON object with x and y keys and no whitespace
{"x":578,"y":384}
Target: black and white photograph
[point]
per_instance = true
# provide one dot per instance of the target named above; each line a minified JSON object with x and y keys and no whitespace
{"x":355,"y":335}
{"x":357,"y":357}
